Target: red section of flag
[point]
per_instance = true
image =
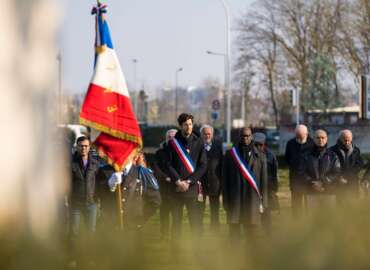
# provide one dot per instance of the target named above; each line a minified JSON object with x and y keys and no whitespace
{"x":117,"y":151}
{"x":111,"y":113}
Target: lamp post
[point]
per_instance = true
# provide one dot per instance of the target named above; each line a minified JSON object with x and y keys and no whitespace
{"x":136,"y":101}
{"x":176,"y":90}
{"x":225,"y":81}
{"x":227,"y":71}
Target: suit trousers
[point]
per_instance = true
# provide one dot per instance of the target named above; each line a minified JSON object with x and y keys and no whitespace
{"x":214,"y":205}
{"x":298,"y":202}
{"x":193,"y":211}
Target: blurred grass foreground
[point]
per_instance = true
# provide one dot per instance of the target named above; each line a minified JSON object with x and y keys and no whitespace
{"x":325,"y":239}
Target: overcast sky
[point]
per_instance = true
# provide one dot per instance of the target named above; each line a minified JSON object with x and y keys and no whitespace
{"x":162,"y":34}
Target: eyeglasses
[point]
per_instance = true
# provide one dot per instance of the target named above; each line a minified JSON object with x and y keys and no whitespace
{"x":246,"y":135}
{"x":258,"y":144}
{"x":83,"y":146}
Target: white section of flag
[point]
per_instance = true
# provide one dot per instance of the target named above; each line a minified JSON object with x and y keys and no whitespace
{"x":108,"y":73}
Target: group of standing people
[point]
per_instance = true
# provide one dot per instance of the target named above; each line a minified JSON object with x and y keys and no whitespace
{"x":323,"y":176}
{"x":191,"y":167}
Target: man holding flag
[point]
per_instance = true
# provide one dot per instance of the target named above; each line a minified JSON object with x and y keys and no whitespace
{"x":186,"y":162}
{"x":244,"y":185}
{"x":107,"y":105}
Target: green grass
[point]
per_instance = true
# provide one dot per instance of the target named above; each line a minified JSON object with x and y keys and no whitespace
{"x":329,"y":239}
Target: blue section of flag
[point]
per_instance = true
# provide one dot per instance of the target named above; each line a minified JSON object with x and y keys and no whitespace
{"x":104,"y":34}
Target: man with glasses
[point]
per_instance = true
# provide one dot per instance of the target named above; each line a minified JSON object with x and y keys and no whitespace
{"x":244,"y":186}
{"x":82,"y":201}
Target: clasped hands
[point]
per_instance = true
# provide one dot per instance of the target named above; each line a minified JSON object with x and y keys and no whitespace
{"x":182,"y":185}
{"x":318,"y":186}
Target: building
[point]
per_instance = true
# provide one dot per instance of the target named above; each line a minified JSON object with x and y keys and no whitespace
{"x":336,"y":116}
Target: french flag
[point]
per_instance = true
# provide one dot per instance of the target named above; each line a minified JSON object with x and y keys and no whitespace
{"x":107,"y":105}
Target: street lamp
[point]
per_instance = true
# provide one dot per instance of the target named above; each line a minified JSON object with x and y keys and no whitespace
{"x":225,"y":80}
{"x":176,"y":91}
{"x":227,"y":71}
{"x":136,"y":94}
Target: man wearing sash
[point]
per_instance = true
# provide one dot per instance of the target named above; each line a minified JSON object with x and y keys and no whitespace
{"x":186,"y":162}
{"x":244,"y":185}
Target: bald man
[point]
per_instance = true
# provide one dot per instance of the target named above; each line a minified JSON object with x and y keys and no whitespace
{"x":351,"y":163}
{"x":320,"y":171}
{"x":296,"y":148}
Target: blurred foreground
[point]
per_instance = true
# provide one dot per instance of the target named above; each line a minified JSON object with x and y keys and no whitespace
{"x":328,"y":239}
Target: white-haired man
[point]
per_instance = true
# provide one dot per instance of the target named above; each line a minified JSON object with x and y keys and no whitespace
{"x":211,"y":181}
{"x":351,"y":163}
{"x":296,"y":148}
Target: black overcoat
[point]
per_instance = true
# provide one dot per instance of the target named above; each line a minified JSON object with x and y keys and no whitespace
{"x":211,"y":181}
{"x":240,"y":201}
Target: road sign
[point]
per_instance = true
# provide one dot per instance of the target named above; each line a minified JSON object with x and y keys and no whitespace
{"x":215,"y":115}
{"x":216,"y":105}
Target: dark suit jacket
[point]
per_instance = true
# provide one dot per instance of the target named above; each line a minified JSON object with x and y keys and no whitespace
{"x":159,"y":168}
{"x":321,"y":166}
{"x":294,"y":154}
{"x":83,"y":181}
{"x":175,"y":169}
{"x":211,"y":181}
{"x":350,"y":162}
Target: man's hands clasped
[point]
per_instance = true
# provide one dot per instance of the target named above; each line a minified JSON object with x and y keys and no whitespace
{"x":182,"y":185}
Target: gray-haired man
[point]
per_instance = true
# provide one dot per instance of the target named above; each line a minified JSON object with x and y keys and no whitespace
{"x":351,"y":163}
{"x":211,"y":181}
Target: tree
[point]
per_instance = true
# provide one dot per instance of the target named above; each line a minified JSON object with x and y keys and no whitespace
{"x":355,"y":37}
{"x":294,"y":44}
{"x":322,"y":89}
{"x":258,"y":44}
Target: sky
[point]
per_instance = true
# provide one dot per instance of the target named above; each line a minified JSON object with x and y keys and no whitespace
{"x":163,"y":35}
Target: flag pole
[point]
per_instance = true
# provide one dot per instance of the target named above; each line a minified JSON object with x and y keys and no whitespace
{"x":119,"y":206}
{"x":118,"y":190}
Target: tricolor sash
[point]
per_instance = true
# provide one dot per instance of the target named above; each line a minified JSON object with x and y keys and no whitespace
{"x":183,"y":155}
{"x":246,"y":173}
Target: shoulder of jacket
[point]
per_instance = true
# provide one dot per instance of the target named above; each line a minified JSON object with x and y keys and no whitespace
{"x":332,"y":153}
{"x":94,"y":162}
{"x":258,"y":153}
{"x":355,"y":148}
{"x":291,"y":141}
{"x":307,"y":156}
